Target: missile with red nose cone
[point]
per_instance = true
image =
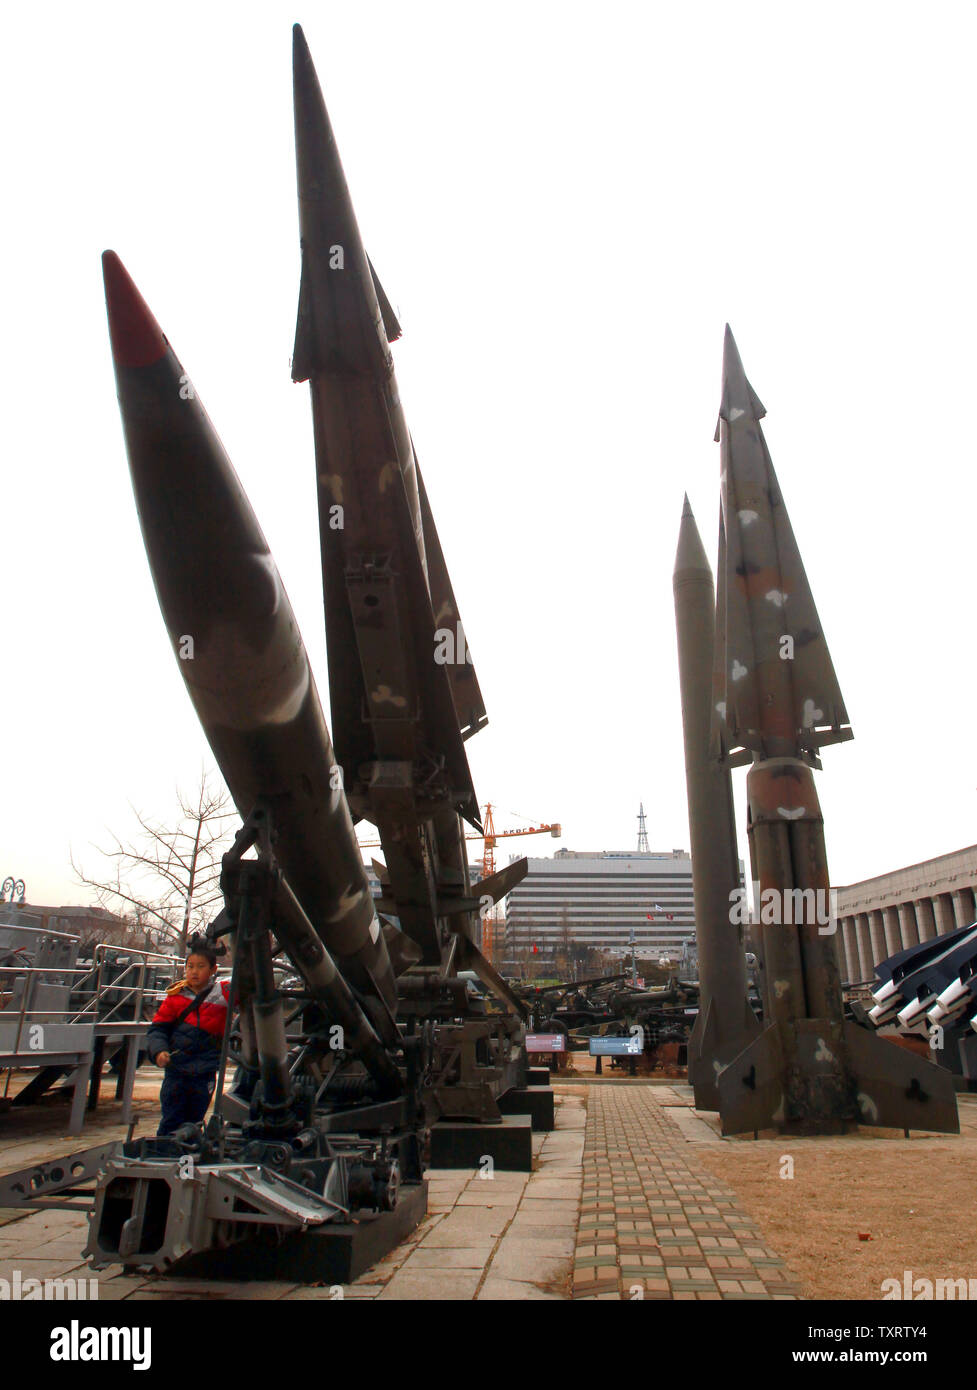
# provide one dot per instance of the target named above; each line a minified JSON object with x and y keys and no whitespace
{"x":725,"y":1023}
{"x":403,"y":691}
{"x":809,"y":1072}
{"x":238,"y":645}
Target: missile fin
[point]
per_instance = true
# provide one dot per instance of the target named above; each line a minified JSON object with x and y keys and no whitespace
{"x":709,"y":1044}
{"x":402,"y":949}
{"x":465,"y":692}
{"x":897,"y":1089}
{"x":303,"y":351}
{"x":497,"y":885}
{"x":701,"y":1050}
{"x":391,"y":324}
{"x":751,"y":1092}
{"x":471,"y":958}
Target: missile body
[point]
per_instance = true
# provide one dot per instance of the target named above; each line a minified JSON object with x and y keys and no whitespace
{"x":403,"y":691}
{"x":239,"y":648}
{"x":809,"y":1072}
{"x":725,"y":1022}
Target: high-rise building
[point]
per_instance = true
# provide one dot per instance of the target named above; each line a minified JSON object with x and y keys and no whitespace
{"x":602,"y":900}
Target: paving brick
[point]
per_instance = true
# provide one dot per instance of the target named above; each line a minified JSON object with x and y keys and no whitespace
{"x":589,"y":1290}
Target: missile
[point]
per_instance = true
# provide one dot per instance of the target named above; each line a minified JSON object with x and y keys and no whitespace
{"x":930,"y":963}
{"x":237,"y":642}
{"x":955,"y":1000}
{"x":725,"y":1023}
{"x":777,"y":704}
{"x":384,"y":581}
{"x":403,"y":691}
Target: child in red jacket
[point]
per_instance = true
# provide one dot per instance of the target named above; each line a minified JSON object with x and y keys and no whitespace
{"x":185,"y":1038}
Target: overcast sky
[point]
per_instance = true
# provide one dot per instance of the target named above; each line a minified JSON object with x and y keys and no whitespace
{"x":565,"y":203}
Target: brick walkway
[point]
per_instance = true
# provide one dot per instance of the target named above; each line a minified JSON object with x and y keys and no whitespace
{"x":652,"y":1225}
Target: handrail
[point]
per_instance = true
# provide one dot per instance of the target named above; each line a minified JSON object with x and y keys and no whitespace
{"x":140,"y":961}
{"x":91,"y":1011}
{"x":42,"y":931}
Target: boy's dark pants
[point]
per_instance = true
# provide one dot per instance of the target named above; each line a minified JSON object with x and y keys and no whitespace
{"x":184,"y":1099}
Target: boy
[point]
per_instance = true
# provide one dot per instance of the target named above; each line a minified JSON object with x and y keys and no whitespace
{"x":185,"y":1038}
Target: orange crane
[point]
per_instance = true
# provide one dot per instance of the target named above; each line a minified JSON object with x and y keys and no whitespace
{"x":491,"y":836}
{"x":493,"y":921}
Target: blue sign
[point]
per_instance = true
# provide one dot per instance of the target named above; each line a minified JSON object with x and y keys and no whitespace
{"x":616,"y":1047}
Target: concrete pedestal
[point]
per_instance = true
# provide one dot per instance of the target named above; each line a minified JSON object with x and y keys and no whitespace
{"x":456,"y":1144}
{"x":535,"y":1101}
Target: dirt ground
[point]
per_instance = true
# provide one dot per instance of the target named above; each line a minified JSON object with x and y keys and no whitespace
{"x":914,"y":1198}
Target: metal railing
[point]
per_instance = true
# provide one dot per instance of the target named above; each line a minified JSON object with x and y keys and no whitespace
{"x":89,"y":980}
{"x":27,"y":1013}
{"x":107,"y":955}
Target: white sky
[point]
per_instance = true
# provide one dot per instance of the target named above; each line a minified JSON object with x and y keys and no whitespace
{"x":566,"y":204}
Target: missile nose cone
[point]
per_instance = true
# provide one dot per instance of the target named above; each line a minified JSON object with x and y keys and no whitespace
{"x":738,"y":396}
{"x":690,"y":554}
{"x":344,"y":320}
{"x":137,"y":339}
{"x":302,"y":67}
{"x":300,"y":48}
{"x":314,"y":137}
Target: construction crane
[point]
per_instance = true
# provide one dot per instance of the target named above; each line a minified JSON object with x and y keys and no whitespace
{"x":491,"y":836}
{"x":492,"y":921}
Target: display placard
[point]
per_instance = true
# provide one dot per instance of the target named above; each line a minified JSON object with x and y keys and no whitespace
{"x":616,"y":1047}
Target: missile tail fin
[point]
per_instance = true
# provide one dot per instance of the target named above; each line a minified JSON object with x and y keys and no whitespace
{"x":701,"y":1050}
{"x":751,"y":1092}
{"x":391,"y":324}
{"x":896,"y":1088}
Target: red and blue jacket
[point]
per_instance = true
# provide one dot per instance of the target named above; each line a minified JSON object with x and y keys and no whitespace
{"x":194,"y":1045}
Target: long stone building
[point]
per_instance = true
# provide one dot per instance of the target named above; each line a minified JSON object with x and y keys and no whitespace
{"x":883,"y":915}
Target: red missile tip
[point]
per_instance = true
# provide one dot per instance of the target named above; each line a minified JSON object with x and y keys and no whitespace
{"x":137,"y":339}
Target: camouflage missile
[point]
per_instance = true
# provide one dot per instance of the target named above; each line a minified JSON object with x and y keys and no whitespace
{"x":383,"y":569}
{"x":403,"y":691}
{"x":236,"y":639}
{"x":779,"y":703}
{"x":725,"y":1022}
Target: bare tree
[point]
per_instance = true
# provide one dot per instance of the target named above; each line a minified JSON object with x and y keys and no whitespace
{"x":169,"y":873}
